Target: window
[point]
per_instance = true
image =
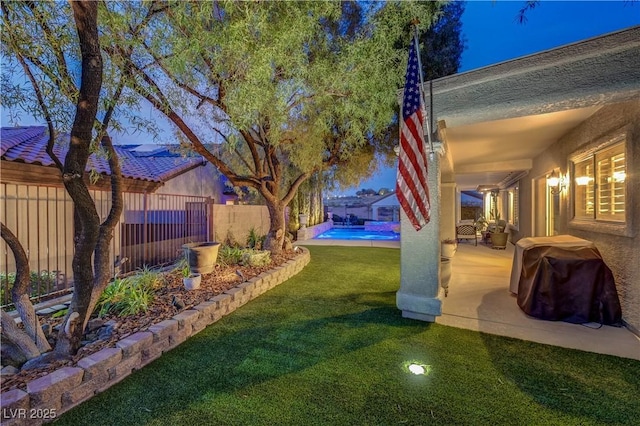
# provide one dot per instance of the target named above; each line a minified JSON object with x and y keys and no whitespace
{"x":600,"y":191}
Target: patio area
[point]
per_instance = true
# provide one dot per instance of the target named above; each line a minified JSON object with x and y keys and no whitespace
{"x":479,"y":299}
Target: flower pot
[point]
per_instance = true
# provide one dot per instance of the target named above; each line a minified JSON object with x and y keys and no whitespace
{"x":202,"y":257}
{"x":304,"y":219}
{"x":499,"y":240}
{"x":445,"y":274}
{"x":192,"y":282}
{"x":448,"y":250}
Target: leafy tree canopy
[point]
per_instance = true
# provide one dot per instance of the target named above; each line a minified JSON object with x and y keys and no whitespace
{"x":270,"y":92}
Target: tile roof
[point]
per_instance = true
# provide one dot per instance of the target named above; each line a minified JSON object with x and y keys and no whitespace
{"x":156,"y":164}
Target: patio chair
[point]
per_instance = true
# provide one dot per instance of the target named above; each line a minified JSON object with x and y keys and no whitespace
{"x":467,"y":232}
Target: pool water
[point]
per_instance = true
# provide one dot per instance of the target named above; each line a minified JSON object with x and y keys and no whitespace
{"x":357,"y":234}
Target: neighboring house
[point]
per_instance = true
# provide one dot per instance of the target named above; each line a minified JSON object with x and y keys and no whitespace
{"x":571,"y":112}
{"x":168,"y":200}
{"x":386,"y":208}
{"x":372,"y":207}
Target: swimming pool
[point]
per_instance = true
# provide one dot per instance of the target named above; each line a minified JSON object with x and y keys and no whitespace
{"x":357,"y":234}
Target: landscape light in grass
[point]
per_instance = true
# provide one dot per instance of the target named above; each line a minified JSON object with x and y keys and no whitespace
{"x":417,"y":369}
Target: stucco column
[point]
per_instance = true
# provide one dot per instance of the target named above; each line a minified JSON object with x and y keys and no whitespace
{"x":420,"y":294}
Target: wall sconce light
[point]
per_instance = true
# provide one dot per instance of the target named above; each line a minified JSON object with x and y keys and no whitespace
{"x":555,"y":182}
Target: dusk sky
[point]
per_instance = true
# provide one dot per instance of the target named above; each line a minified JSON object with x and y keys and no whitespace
{"x":493,"y":35}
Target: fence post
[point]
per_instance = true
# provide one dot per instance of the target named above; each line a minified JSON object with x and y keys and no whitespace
{"x":145,"y":235}
{"x":209,"y":213}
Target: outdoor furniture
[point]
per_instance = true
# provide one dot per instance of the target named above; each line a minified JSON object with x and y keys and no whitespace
{"x":467,"y":232}
{"x":563,"y":241}
{"x":571,"y":284}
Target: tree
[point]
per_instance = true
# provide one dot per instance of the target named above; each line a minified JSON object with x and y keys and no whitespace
{"x":442,"y":43}
{"x":271,"y":92}
{"x":40,"y":38}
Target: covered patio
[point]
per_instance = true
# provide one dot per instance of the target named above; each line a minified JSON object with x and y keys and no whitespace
{"x":479,"y":299}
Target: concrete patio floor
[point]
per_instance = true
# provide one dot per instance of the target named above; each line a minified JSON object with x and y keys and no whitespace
{"x":479,"y":299}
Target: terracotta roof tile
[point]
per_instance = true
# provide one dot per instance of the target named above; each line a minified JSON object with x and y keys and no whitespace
{"x":28,"y":145}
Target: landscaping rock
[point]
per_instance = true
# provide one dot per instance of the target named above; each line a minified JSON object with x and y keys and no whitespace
{"x":94,"y":324}
{"x":59,"y":307}
{"x":9,"y":370}
{"x":105,"y":332}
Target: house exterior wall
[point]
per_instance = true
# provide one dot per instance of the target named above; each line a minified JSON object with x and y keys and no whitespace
{"x":391,"y":201}
{"x":203,"y":181}
{"x":619,"y":245}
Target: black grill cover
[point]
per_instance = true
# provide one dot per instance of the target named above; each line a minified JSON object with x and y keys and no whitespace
{"x":568,"y":284}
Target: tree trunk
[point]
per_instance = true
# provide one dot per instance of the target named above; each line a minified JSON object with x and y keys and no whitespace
{"x":88,"y":222}
{"x":20,"y":348}
{"x":20,"y":292}
{"x":275,"y":238}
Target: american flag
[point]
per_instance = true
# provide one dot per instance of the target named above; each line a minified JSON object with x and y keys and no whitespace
{"x":411,"y":187}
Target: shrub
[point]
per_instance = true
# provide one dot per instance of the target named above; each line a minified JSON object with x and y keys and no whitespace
{"x":229,"y":255}
{"x":148,"y":279}
{"x":42,"y":283}
{"x":124,"y":297}
{"x":254,"y":240}
{"x":256,"y":257}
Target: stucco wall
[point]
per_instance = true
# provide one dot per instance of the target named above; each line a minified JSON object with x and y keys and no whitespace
{"x":235,"y":222}
{"x":619,"y":245}
{"x":203,"y":181}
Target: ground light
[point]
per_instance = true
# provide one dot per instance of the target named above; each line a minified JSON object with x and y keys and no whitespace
{"x":417,"y":368}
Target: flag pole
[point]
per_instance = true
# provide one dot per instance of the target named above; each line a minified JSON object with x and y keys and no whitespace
{"x":415,"y":23}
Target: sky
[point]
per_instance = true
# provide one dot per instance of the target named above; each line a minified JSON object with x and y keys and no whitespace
{"x":493,"y":35}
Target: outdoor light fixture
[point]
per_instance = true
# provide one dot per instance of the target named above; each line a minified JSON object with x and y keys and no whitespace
{"x":555,"y":182}
{"x":416,"y":368}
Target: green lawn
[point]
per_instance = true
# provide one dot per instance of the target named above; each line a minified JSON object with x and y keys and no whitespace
{"x":329,"y":347}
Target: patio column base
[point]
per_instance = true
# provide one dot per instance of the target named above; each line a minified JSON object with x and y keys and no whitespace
{"x":419,"y":307}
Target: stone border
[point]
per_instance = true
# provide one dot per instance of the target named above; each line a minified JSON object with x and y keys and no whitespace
{"x":57,"y":392}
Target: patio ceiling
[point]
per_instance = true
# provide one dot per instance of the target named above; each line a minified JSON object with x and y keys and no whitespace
{"x":493,"y":152}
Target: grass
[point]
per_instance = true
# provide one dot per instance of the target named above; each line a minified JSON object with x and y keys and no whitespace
{"x":329,"y":347}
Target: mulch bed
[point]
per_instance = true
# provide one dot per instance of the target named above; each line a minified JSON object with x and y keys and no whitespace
{"x":162,"y":308}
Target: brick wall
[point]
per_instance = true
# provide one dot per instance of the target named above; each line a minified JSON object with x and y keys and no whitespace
{"x":49,"y":396}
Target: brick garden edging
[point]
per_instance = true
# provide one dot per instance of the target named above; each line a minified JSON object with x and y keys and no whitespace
{"x":49,"y":396}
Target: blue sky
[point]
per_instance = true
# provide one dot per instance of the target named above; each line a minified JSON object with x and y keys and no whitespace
{"x":493,"y":35}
